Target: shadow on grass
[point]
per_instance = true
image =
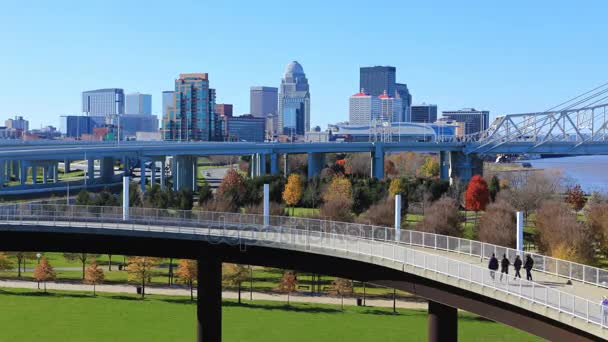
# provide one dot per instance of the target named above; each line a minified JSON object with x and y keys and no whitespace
{"x":283,"y":307}
{"x":48,"y":294}
{"x":123,"y":297}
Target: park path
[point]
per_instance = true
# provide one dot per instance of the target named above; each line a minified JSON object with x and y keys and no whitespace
{"x":179,"y":291}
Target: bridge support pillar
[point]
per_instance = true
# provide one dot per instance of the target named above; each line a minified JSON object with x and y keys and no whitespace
{"x":66,"y":166}
{"x":45,"y":173}
{"x":316,"y":161}
{"x":34,"y":174}
{"x":55,"y":169}
{"x":209,"y":300}
{"x":463,"y":166}
{"x":262,"y":163}
{"x":183,"y":176}
{"x":443,"y":323}
{"x":2,"y":172}
{"x":91,"y":169}
{"x":153,"y":173}
{"x":162,"y":174}
{"x":142,"y":175}
{"x":22,"y":172}
{"x":444,"y":165}
{"x":274,"y":164}
{"x":378,"y":162}
{"x":106,"y":168}
{"x":15,"y":169}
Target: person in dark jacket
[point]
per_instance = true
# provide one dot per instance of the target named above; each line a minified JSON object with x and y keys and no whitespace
{"x":493,"y":265}
{"x":504,"y":266}
{"x":517,"y":266}
{"x":528,"y":265}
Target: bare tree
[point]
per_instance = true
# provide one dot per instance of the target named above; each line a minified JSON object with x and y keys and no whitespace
{"x":442,"y":217}
{"x":497,"y":225}
{"x":528,"y":189}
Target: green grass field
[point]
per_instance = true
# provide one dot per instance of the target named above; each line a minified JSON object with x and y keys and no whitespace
{"x":69,"y":316}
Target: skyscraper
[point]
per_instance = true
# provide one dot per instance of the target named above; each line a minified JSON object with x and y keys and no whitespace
{"x":403,"y":93}
{"x":424,"y":113}
{"x":192,"y":116}
{"x":474,"y":120}
{"x":263,"y":101}
{"x":294,"y":101}
{"x":378,"y":79}
{"x":363,"y":108}
{"x":102,"y":102}
{"x":137,"y":103}
{"x":168,"y":99}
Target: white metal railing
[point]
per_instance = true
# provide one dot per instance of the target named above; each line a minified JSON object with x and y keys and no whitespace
{"x":312,"y":234}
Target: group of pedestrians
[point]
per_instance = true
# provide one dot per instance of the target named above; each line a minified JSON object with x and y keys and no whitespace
{"x":505,"y":263}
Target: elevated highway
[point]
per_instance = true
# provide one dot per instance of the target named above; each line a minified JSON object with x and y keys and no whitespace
{"x":449,"y":272}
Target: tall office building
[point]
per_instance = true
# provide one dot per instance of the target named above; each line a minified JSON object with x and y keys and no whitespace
{"x":223,"y":109}
{"x":102,"y":102}
{"x":294,"y":102}
{"x":391,"y":108}
{"x":18,"y":123}
{"x":474,"y":120}
{"x":363,"y":108}
{"x":403,"y":93}
{"x":263,"y":101}
{"x":192,"y":116}
{"x":378,"y":79}
{"x":168,"y":99}
{"x":424,"y":113}
{"x":137,"y":103}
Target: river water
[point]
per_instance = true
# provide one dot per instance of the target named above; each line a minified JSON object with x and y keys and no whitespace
{"x":591,"y":172}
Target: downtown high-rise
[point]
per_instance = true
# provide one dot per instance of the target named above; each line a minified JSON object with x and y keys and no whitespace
{"x":382,"y":80}
{"x":294,"y":102}
{"x":192,"y":115}
{"x":263,"y":101}
{"x":137,"y":103}
{"x":103,"y":102}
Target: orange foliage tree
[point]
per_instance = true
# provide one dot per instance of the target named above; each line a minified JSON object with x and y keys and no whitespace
{"x":44,"y":272}
{"x":187,"y":272}
{"x":5,"y":263}
{"x":293,"y":190}
{"x":141,"y":270}
{"x":288,"y":284}
{"x":477,"y":195}
{"x":575,"y":197}
{"x":93,"y":275}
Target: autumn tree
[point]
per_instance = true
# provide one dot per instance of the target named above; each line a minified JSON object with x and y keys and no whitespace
{"x":187,"y":273}
{"x":497,"y":225}
{"x":477,"y":195}
{"x":232,"y":188}
{"x":597,"y":223}
{"x":82,"y":257}
{"x":442,"y":217}
{"x":342,"y":287}
{"x":430,"y":168}
{"x":528,"y":190}
{"x":235,"y":275}
{"x":140,"y":270}
{"x":44,"y":272}
{"x":396,"y":187}
{"x":494,"y":187}
{"x":338,"y":199}
{"x":288,"y":284}
{"x":293,"y":191}
{"x":575,"y":197}
{"x":389,"y":168}
{"x":5,"y":263}
{"x":93,"y":275}
{"x":21,"y":258}
{"x":382,"y":213}
{"x":560,"y":235}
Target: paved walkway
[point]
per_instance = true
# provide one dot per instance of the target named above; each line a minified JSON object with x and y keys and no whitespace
{"x":245,"y":295}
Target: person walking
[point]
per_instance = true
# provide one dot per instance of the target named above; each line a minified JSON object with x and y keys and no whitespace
{"x":504,"y":266}
{"x":528,"y":265}
{"x":604,"y":310}
{"x":493,"y":265}
{"x":517,"y":266}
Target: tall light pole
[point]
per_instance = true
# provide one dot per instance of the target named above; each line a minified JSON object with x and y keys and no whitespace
{"x":38,"y":255}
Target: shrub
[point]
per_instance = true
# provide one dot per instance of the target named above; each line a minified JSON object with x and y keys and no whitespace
{"x":442,"y":217}
{"x":498,"y":225}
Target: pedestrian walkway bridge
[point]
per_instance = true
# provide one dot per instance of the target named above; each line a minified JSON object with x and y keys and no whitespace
{"x":562,"y":303}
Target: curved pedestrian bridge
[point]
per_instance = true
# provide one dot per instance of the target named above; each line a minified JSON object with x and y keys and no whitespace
{"x":563,"y":301}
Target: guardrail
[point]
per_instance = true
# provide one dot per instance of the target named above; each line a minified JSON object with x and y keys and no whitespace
{"x":557,"y":267}
{"x":311,"y":234}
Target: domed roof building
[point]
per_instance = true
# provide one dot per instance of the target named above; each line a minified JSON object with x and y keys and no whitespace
{"x":294,"y":101}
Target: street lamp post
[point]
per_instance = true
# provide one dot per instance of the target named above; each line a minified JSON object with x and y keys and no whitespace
{"x":38,"y":255}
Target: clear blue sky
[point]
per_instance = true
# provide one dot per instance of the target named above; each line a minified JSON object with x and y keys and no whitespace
{"x":508,"y":56}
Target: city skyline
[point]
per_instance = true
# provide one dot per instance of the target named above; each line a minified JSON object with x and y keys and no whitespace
{"x":511,"y":65}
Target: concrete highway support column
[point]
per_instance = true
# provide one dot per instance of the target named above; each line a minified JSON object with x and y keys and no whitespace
{"x":2,"y":173}
{"x":444,"y":165}
{"x":22,"y":172}
{"x":91,"y":169}
{"x":209,"y":300}
{"x":262,"y":164}
{"x":153,"y":173}
{"x":443,"y":323}
{"x":34,"y":174}
{"x":162,"y":174}
{"x":15,"y":169}
{"x":66,"y":166}
{"x":274,"y":164}
{"x":106,"y":169}
{"x":183,"y":176}
{"x":45,"y":173}
{"x":142,"y":174}
{"x":55,"y":169}
{"x":378,"y":162}
{"x":316,"y":161}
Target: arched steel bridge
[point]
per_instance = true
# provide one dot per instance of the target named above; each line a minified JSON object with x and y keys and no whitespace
{"x":450,"y":272}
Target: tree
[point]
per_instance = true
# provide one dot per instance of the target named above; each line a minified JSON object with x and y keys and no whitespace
{"x":497,"y":225}
{"x":83,"y":198}
{"x":235,"y":275}
{"x":528,"y":190}
{"x":187,"y":272}
{"x":560,"y":235}
{"x":389,"y":168}
{"x":396,"y":187}
{"x":430,"y":168}
{"x":494,"y":187}
{"x":338,"y":199}
{"x":135,"y":196}
{"x":288,"y":284}
{"x":5,"y":263}
{"x":105,"y":198}
{"x":575,"y":197}
{"x":293,"y":191}
{"x":93,"y":275}
{"x":477,"y":195}
{"x":44,"y":272}
{"x":232,"y":187}
{"x":82,"y":257}
{"x":204,"y":193}
{"x":184,"y":199}
{"x":21,"y":258}
{"x":442,"y":217}
{"x":382,"y":213}
{"x":140,"y":270}
{"x":342,"y":287}
{"x":597,"y":222}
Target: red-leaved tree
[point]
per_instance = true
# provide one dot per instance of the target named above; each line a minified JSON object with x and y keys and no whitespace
{"x":477,"y":195}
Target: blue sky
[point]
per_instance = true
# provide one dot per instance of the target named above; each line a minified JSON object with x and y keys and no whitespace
{"x":505,"y":57}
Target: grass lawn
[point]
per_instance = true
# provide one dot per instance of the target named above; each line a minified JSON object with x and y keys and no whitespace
{"x":71,"y":316}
